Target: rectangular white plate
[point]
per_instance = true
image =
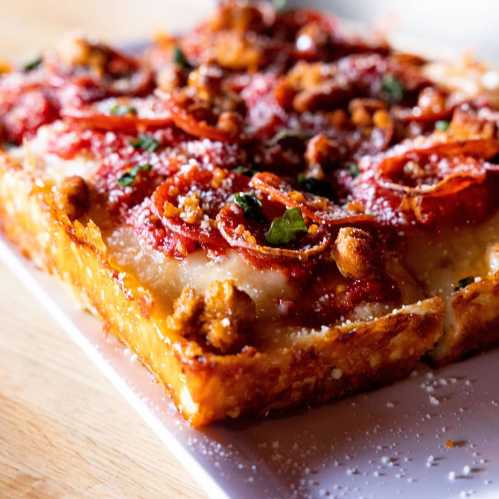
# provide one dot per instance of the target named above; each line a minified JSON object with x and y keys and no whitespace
{"x":375,"y":445}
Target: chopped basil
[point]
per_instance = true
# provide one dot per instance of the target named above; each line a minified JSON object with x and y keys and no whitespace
{"x":465,"y":281}
{"x":442,"y":125}
{"x":392,"y":89}
{"x":289,"y":133}
{"x":128,"y":178}
{"x":279,"y":4}
{"x":353,"y":169}
{"x":145,"y":142}
{"x":8,"y":145}
{"x":243,"y":170}
{"x":180,"y":59}
{"x":318,"y":187}
{"x":250,"y":204}
{"x":33,"y":64}
{"x":122,"y":110}
{"x":286,"y":228}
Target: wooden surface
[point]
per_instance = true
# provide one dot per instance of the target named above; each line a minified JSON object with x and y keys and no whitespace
{"x":64,"y":430}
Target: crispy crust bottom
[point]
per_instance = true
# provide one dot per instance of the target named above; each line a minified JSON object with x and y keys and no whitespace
{"x":318,"y":366}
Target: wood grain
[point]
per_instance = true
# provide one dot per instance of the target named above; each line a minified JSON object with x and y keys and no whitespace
{"x":64,"y":430}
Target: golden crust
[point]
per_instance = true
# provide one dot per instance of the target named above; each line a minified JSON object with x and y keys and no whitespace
{"x":314,"y":366}
{"x":474,"y":316}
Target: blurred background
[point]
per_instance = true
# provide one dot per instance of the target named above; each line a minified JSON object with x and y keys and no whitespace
{"x":439,"y":26}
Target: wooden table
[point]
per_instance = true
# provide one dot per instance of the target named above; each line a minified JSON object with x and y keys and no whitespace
{"x":64,"y":430}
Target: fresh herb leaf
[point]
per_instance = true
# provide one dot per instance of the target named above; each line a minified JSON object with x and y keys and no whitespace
{"x":289,"y":133}
{"x":33,"y":64}
{"x":442,"y":125}
{"x":181,"y":60}
{"x":286,"y":228}
{"x":392,"y":89}
{"x":465,"y":281}
{"x":315,"y":186}
{"x":244,"y":170}
{"x":279,"y":5}
{"x":8,"y":145}
{"x":145,"y":142}
{"x":129,"y":177}
{"x":353,"y":169}
{"x":122,"y":110}
{"x":250,"y":204}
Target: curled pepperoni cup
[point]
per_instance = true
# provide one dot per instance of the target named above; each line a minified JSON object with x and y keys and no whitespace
{"x":435,"y":180}
{"x":318,"y":209}
{"x":120,"y":115}
{"x":394,"y":161}
{"x":443,"y":189}
{"x":187,"y":203}
{"x":115,"y":73}
{"x":188,"y":122}
{"x":246,"y":235}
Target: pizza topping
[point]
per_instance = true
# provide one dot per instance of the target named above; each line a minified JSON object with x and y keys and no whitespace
{"x":125,"y":115}
{"x":273,"y":135}
{"x":392,"y":89}
{"x":286,"y":228}
{"x":227,"y":317}
{"x":465,"y":281}
{"x":128,"y":178}
{"x":113,"y":73}
{"x":250,"y":204}
{"x":221,"y":318}
{"x":354,"y":253}
{"x":33,"y":64}
{"x":189,"y":201}
{"x":74,"y":197}
{"x":180,"y":59}
{"x":442,"y":125}
{"x":145,"y":143}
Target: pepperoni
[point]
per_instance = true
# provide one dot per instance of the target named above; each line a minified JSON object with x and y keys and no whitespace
{"x":120,"y":115}
{"x":188,"y":202}
{"x":192,"y":125}
{"x":318,"y":209}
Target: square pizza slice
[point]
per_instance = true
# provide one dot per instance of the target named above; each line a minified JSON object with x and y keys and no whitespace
{"x":270,"y":211}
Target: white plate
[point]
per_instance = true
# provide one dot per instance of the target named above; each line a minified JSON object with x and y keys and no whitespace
{"x":375,"y":445}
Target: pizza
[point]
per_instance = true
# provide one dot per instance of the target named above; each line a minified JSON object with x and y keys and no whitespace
{"x":270,"y":210}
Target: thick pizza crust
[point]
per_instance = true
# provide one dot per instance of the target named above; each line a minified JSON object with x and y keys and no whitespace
{"x":440,"y":260}
{"x":473,"y":322}
{"x":313,"y":366}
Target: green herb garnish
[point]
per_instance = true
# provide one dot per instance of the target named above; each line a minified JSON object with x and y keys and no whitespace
{"x":315,"y":186}
{"x":289,"y":133}
{"x":286,"y":228}
{"x":442,"y":125}
{"x":145,"y":142}
{"x":122,"y":110}
{"x":181,"y":60}
{"x":33,"y":64}
{"x":244,"y":170}
{"x":250,"y":204}
{"x":392,"y":89}
{"x":465,"y":281}
{"x":129,"y":177}
{"x":279,"y":5}
{"x":353,"y":169}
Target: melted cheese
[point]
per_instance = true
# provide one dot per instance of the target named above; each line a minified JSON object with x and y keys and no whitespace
{"x":36,"y":158}
{"x":167,"y":276}
{"x":441,"y":259}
